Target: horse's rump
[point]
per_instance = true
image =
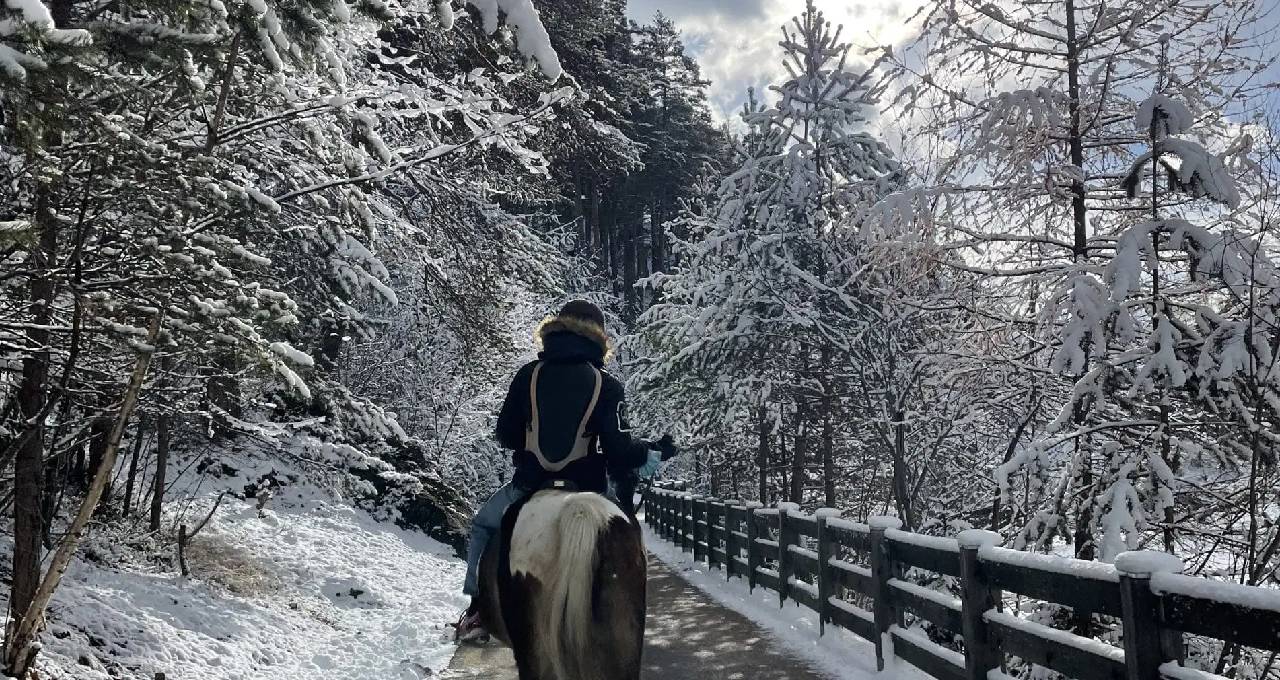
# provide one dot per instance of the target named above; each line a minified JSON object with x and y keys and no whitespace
{"x":573,"y":598}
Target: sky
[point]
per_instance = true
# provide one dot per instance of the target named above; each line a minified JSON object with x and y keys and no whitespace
{"x":736,"y":41}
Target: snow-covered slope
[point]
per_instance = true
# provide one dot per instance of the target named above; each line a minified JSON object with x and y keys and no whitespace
{"x":311,"y":588}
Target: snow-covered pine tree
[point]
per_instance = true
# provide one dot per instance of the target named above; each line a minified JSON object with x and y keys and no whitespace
{"x":675,"y":127}
{"x":761,"y":306}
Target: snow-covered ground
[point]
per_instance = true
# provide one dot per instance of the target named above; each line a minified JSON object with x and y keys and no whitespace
{"x":314,"y":588}
{"x":839,"y":653}
{"x":311,"y":589}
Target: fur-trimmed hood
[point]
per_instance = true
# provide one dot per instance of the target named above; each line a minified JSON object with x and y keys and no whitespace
{"x":572,"y":324}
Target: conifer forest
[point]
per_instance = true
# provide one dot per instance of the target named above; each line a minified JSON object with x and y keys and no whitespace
{"x":267,"y":268}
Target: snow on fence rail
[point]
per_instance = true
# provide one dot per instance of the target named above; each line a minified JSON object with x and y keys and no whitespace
{"x":807,"y":559}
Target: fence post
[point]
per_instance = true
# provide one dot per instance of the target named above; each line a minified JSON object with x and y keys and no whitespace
{"x":981,"y":653}
{"x":709,"y":514}
{"x":714,"y":509}
{"x":881,"y":572}
{"x":731,"y":550}
{"x":668,"y":499}
{"x":664,"y":515}
{"x":673,"y":518}
{"x":677,"y":520}
{"x":686,"y":523}
{"x":786,"y":539}
{"x":699,"y":521}
{"x":825,"y":553}
{"x":659,"y":512}
{"x":753,"y":547}
{"x":1146,"y":644}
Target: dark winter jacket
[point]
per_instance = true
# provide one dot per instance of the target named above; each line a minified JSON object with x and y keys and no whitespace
{"x":566,"y":381}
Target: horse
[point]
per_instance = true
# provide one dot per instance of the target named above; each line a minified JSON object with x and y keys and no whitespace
{"x":564,"y":587}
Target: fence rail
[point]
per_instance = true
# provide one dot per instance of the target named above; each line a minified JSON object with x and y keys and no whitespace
{"x":852,"y":575}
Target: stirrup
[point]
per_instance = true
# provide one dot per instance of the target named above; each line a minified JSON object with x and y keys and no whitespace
{"x":475,"y":633}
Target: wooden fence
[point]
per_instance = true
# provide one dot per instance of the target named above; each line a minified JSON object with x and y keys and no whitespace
{"x":852,"y":575}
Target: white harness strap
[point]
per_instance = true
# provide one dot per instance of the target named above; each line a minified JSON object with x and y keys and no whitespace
{"x":581,"y":443}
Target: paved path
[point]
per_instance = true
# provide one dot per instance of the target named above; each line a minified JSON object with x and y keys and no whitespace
{"x":688,"y":637}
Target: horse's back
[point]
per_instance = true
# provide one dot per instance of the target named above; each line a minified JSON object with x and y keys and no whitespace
{"x":536,"y":539}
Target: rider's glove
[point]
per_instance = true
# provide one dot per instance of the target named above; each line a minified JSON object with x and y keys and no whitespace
{"x":667,"y":447}
{"x":650,"y":467}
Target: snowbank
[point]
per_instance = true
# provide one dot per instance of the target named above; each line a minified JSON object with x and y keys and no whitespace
{"x":312,"y":588}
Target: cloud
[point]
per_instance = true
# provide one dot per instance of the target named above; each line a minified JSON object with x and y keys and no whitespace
{"x":736,"y":41}
{"x":643,"y":10}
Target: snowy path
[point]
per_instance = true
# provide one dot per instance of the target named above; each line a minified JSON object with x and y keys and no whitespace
{"x":688,"y":637}
{"x":692,"y":637}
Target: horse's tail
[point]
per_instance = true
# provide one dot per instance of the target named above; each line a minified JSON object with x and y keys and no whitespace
{"x":567,"y":637}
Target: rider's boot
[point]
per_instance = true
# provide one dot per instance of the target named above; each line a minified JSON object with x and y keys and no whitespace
{"x":469,"y":628}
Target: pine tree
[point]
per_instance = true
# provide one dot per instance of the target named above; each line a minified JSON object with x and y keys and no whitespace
{"x":760,"y":304}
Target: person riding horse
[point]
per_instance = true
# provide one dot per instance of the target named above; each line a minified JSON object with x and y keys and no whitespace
{"x":565,"y":420}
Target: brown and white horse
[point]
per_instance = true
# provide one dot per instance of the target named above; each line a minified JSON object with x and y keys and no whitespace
{"x":571,"y":604}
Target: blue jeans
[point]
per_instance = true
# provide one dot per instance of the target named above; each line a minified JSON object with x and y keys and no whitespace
{"x":487,"y":523}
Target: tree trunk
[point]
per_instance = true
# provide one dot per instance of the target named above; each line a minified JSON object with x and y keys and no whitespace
{"x":162,"y":462}
{"x":20,"y":644}
{"x":901,"y":491}
{"x":1085,"y":548}
{"x":657,"y":238}
{"x":606,"y":243}
{"x":799,"y":454}
{"x":28,"y":464}
{"x":643,"y":251}
{"x":57,"y":477}
{"x":782,"y":462}
{"x":762,"y":453}
{"x":77,"y":467}
{"x":222,"y":387}
{"x":582,"y":210}
{"x":1075,"y":140}
{"x":828,"y":434}
{"x":100,"y":432}
{"x":629,"y":255}
{"x":132,"y":478}
{"x":1010,"y":450}
{"x":828,"y":457}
